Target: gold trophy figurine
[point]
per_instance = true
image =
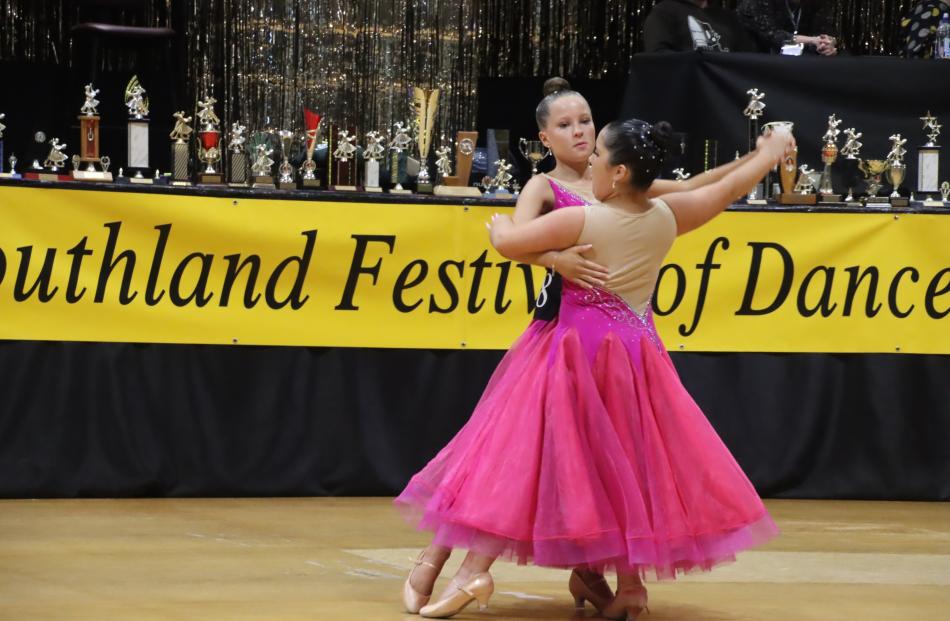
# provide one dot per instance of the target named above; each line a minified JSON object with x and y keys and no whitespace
{"x":788,"y":168}
{"x":897,"y":170}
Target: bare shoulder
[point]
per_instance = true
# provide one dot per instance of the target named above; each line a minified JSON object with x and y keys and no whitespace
{"x":535,"y":198}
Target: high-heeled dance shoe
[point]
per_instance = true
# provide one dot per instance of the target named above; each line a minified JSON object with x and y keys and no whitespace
{"x":584,"y":591}
{"x":479,"y":589}
{"x":411,"y":598}
{"x":628,"y":604}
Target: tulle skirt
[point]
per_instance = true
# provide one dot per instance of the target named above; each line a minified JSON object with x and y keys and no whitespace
{"x":585,"y":450}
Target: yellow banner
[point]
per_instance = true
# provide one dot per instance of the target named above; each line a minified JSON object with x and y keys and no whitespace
{"x":141,"y":267}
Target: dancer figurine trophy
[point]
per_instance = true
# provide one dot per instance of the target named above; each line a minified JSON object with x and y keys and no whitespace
{"x":754,"y":111}
{"x":209,"y":139}
{"x":344,"y":161}
{"x":425,"y":102}
{"x":88,"y":142}
{"x":788,"y":168}
{"x":897,"y":170}
{"x":373,"y":152}
{"x":137,"y":103}
{"x":180,"y":136}
{"x":829,"y":153}
{"x":458,"y":184}
{"x":261,"y":151}
{"x":851,"y":150}
{"x":237,"y":146}
{"x":398,"y":144}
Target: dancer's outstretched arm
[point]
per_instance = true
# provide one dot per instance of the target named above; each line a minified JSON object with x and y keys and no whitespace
{"x":666,"y":186}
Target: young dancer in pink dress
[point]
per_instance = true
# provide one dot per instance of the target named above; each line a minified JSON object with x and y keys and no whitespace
{"x":524,"y":480}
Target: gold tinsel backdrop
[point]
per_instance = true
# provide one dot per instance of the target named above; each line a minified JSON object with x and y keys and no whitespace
{"x":354,"y":60}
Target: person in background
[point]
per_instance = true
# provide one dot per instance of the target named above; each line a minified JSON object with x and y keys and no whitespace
{"x":920,"y":27}
{"x":778,"y":23}
{"x":687,"y":25}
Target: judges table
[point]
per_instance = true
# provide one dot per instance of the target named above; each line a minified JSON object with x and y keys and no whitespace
{"x":186,"y":341}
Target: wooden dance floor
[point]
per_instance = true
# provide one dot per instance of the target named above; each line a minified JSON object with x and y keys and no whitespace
{"x":320,"y":558}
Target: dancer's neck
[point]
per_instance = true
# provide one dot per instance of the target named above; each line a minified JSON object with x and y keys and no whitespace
{"x":571,"y":172}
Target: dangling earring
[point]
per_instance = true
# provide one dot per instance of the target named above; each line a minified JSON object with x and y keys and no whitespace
{"x":614,"y":186}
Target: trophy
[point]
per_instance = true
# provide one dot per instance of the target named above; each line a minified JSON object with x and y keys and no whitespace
{"x":498,"y":186}
{"x":425,"y":102}
{"x":308,"y":170}
{"x":788,"y":168}
{"x":13,"y":173}
{"x":2,"y":127}
{"x":373,"y":152}
{"x":88,"y":142}
{"x":680,"y":174}
{"x":897,"y":170}
{"x":343,"y":154}
{"x":829,"y":153}
{"x":180,"y":136}
{"x":55,"y":161}
{"x":137,"y":103}
{"x":873,"y":170}
{"x":400,"y":142}
{"x":851,"y":150}
{"x":238,"y":150}
{"x":807,"y":180}
{"x":753,"y":111}
{"x":209,"y":138}
{"x":443,"y":162}
{"x":928,"y":156}
{"x":944,"y":187}
{"x":533,"y":151}
{"x":261,"y":151}
{"x":285,"y":172}
{"x":457,"y":185}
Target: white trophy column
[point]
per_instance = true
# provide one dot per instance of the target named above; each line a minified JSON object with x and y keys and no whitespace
{"x":928,"y":169}
{"x":371,"y":178}
{"x":138,"y":144}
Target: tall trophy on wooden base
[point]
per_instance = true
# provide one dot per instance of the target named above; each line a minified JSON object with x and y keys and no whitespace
{"x":897,"y":170}
{"x":458,"y":184}
{"x":88,"y":143}
{"x":373,"y":152}
{"x":829,"y":153}
{"x":237,"y":148}
{"x":137,"y":102}
{"x":308,"y":170}
{"x":343,"y":154}
{"x":928,"y":157}
{"x":425,"y":103}
{"x":209,"y":140}
{"x":181,"y":137}
{"x":400,"y":143}
{"x":262,"y":168}
{"x":754,"y":111}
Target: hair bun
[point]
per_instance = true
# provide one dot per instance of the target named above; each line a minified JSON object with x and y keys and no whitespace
{"x":553,"y":85}
{"x":662,"y":134}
